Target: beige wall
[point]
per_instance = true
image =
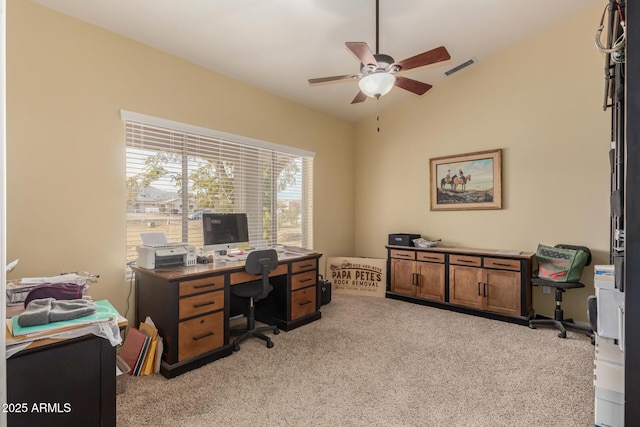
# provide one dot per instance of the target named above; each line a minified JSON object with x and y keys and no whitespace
{"x":541,"y":102}
{"x":67,"y":81}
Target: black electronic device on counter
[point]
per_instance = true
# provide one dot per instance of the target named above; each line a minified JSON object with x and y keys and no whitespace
{"x":402,"y":239}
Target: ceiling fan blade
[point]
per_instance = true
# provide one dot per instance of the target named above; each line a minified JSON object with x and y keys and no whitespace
{"x":333,"y":78}
{"x":359,"y":97}
{"x":411,"y":85}
{"x":432,"y":56}
{"x":362,"y":52}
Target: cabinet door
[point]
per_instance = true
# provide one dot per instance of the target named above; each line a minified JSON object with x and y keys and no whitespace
{"x":430,"y":281}
{"x":502,"y":292}
{"x":465,"y":285}
{"x":402,"y":279}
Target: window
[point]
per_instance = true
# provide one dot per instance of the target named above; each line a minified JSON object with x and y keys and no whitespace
{"x":171,"y":165}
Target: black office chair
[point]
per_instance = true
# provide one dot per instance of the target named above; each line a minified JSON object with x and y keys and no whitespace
{"x":258,"y":262}
{"x":558,"y":319}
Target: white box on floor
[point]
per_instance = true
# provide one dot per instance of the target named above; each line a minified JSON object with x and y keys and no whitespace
{"x":609,"y":376}
{"x":609,"y":410}
{"x":608,"y":351}
{"x":608,"y":301}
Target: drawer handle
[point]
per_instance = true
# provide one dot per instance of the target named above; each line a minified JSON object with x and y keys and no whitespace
{"x":208,"y":334}
{"x":432,"y":257}
{"x":203,"y":304}
{"x":464,"y":260}
{"x":305,"y":303}
{"x":501,"y":264}
{"x":204,"y":286}
{"x":404,"y":256}
{"x":306,"y":265}
{"x":305,"y":280}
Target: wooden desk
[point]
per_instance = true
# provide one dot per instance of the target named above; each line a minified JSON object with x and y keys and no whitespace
{"x":190,"y":306}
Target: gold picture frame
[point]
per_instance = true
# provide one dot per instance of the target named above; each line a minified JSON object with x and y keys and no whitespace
{"x":466,"y":181}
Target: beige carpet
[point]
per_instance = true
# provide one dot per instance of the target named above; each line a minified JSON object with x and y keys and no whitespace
{"x":380,"y":362}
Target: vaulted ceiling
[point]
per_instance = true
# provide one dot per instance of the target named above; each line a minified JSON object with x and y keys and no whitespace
{"x":277,"y":45}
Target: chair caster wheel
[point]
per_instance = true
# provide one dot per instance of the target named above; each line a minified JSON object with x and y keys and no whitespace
{"x":269,"y":344}
{"x":276,"y":331}
{"x":562,"y":335}
{"x":236,"y":347}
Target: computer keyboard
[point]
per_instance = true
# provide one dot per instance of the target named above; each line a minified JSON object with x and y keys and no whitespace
{"x":242,"y":256}
{"x":236,"y":257}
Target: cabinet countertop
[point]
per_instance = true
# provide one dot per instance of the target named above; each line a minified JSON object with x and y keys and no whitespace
{"x":468,"y":251}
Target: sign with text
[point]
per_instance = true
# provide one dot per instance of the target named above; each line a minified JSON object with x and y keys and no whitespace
{"x":358,"y":276}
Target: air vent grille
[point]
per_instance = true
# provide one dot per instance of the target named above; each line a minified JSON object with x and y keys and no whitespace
{"x":461,"y":66}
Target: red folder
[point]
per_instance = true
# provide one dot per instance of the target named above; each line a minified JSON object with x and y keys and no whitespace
{"x":132,"y":347}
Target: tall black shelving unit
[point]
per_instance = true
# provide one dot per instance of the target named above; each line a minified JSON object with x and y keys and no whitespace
{"x":615,"y":100}
{"x":622,"y":96}
{"x":632,"y":218}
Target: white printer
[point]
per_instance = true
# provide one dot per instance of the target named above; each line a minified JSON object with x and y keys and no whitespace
{"x":156,"y":252}
{"x":171,"y":255}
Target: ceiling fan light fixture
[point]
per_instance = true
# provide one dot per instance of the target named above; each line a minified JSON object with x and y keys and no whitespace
{"x":376,"y":85}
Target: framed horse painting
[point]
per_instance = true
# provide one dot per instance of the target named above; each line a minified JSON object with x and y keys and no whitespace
{"x":466,"y":181}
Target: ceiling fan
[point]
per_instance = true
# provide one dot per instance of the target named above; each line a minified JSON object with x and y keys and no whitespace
{"x":378,"y":72}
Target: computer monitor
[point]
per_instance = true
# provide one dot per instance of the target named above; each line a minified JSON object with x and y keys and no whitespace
{"x":224,"y":231}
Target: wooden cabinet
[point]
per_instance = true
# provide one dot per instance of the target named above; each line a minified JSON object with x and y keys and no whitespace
{"x":491,"y":290}
{"x":465,"y":286}
{"x":502,"y":291}
{"x":488,"y":283}
{"x":424,"y":277}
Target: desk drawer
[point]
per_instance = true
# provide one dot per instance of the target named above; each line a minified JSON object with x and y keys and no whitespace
{"x":504,"y":264}
{"x":303,"y":302}
{"x":244,"y":277}
{"x":201,"y":285}
{"x":305,"y":265}
{"x":472,"y":261}
{"x":198,"y":304}
{"x":199,"y":335}
{"x":303,"y":280}
{"x":429,"y":256}
{"x":396,"y":253}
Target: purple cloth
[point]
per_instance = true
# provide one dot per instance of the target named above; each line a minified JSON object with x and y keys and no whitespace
{"x":59,"y":291}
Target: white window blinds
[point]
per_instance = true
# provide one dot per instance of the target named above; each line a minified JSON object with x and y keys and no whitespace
{"x":174,"y":172}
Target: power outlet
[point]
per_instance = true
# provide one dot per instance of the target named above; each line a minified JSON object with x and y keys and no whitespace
{"x":546,"y":289}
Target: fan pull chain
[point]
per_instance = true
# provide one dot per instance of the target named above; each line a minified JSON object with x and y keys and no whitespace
{"x":378,"y":114}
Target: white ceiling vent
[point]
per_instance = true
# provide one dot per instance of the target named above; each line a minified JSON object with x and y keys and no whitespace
{"x":461,"y":66}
